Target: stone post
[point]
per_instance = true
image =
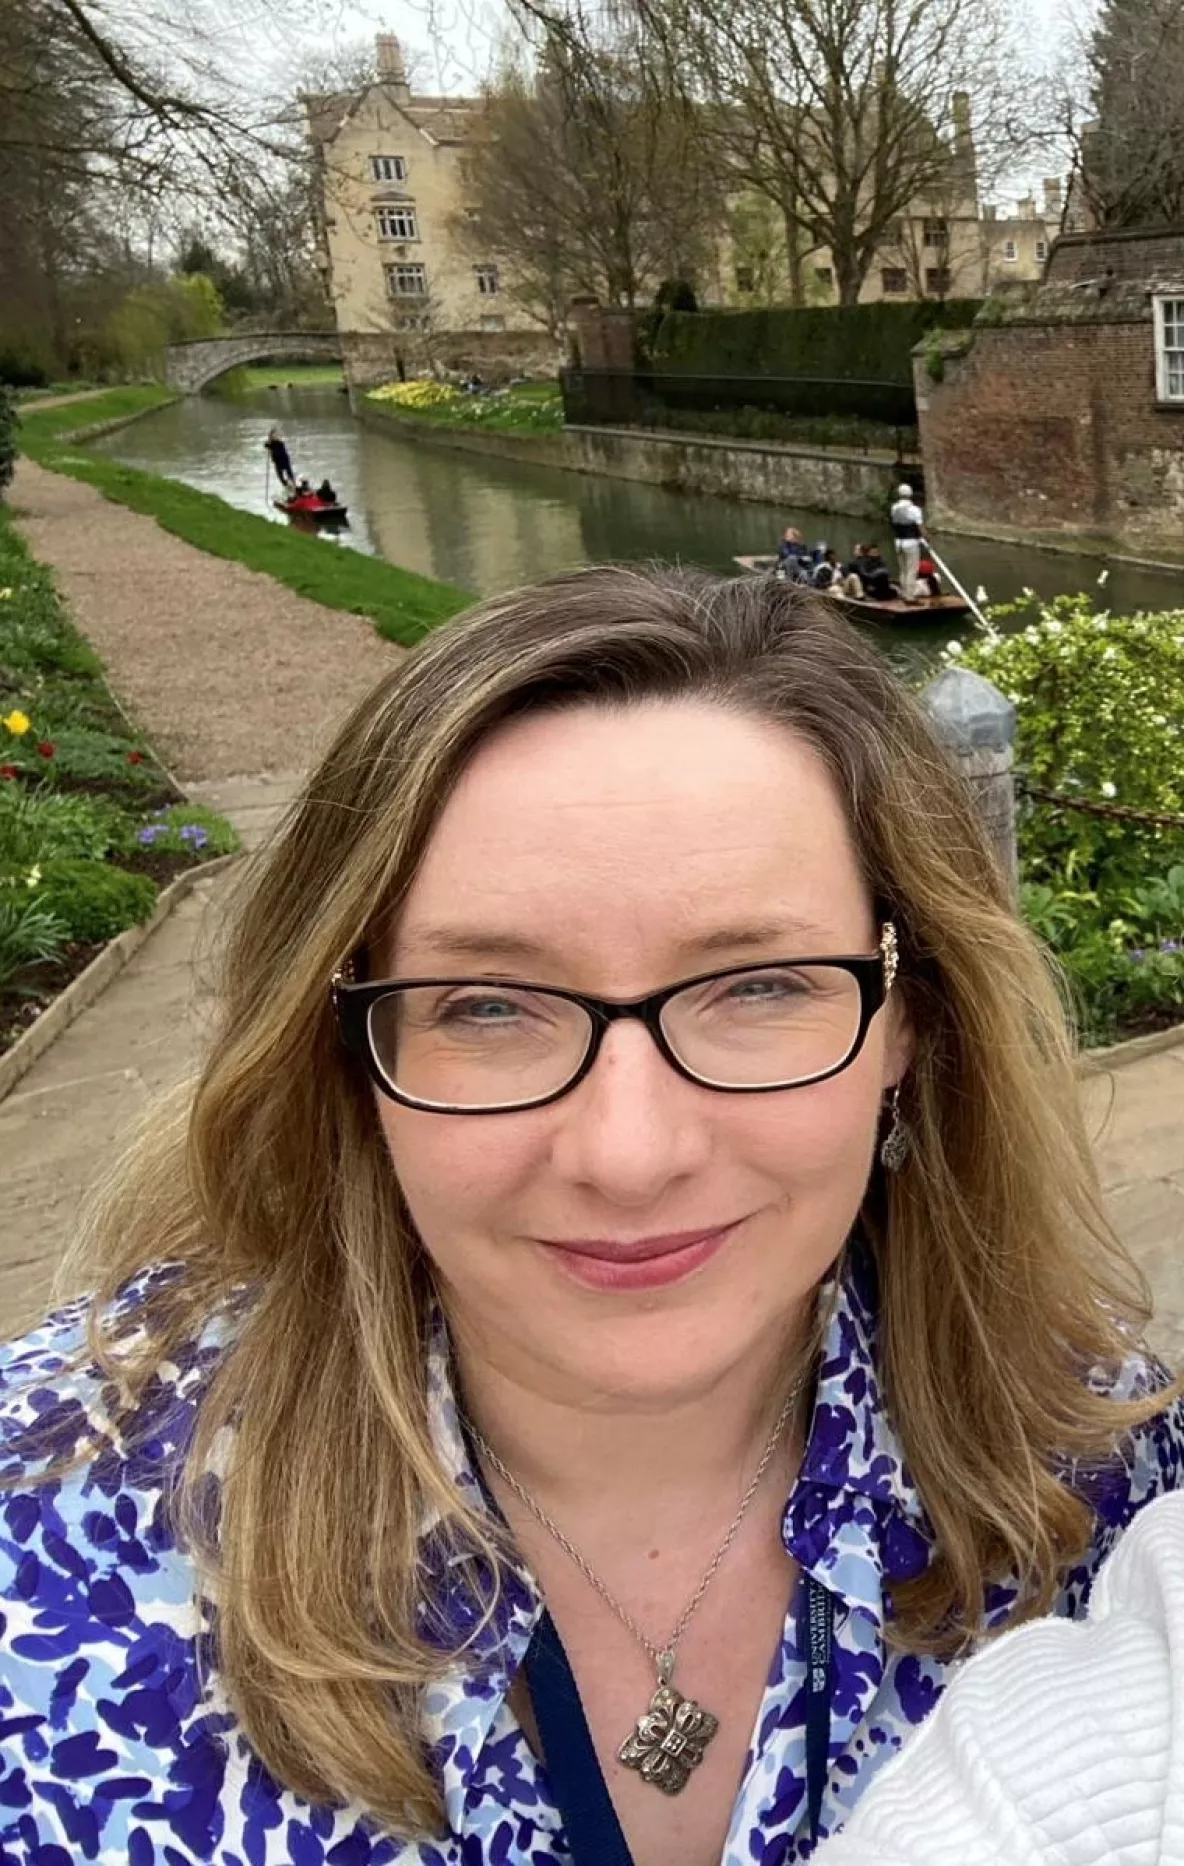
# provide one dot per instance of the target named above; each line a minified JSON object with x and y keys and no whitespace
{"x":977,"y":723}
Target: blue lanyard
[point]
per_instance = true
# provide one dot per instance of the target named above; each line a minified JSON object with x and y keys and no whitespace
{"x":594,"y":1835}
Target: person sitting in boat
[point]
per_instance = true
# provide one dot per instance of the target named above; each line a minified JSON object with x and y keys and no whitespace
{"x":793,"y":558}
{"x":281,"y":459}
{"x":928,"y":580}
{"x":305,"y":490}
{"x":326,"y":493}
{"x":828,"y":572}
{"x":868,"y":570}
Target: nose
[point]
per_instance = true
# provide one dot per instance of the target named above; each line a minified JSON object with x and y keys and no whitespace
{"x":633,"y":1127}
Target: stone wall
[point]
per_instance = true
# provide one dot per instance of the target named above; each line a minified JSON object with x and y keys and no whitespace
{"x":1046,"y":421}
{"x":372,"y":358}
{"x":813,"y":480}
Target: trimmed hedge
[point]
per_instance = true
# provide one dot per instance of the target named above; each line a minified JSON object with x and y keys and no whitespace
{"x":854,"y":343}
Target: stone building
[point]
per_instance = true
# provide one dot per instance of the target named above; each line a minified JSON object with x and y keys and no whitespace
{"x":1060,"y":415}
{"x":405,"y":290}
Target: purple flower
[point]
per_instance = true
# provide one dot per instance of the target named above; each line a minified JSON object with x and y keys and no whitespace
{"x":195,"y":835}
{"x":1170,"y":945}
{"x":152,"y":832}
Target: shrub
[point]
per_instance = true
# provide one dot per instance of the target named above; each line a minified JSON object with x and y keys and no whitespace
{"x":29,"y":932}
{"x":1100,"y":703}
{"x":1100,"y":714}
{"x":42,"y":824}
{"x":9,"y":422}
{"x":95,"y":900}
{"x":865,"y":343}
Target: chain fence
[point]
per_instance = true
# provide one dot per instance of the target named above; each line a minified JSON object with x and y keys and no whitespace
{"x":1117,"y":812}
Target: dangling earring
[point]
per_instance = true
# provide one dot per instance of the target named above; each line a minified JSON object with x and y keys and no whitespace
{"x":897,"y":1143}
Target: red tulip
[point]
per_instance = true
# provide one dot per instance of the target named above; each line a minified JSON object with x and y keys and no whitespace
{"x":135,"y":758}
{"x":46,"y":749}
{"x":8,"y":771}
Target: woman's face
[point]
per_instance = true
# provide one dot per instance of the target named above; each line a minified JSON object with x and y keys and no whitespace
{"x":615,"y":852}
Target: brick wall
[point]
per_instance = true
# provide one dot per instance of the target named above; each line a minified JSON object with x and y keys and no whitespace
{"x":1049,"y":423}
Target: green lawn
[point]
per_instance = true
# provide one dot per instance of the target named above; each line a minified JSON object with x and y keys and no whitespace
{"x":281,"y":375}
{"x":528,"y":408}
{"x":402,"y":605}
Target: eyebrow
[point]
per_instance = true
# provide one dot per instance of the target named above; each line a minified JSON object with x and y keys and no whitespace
{"x":461,"y":942}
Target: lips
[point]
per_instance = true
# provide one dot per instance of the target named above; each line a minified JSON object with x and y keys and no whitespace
{"x":637,"y":1250}
{"x":624,"y":1264}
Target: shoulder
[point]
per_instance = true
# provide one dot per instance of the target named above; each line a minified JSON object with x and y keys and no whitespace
{"x":1041,"y":1788}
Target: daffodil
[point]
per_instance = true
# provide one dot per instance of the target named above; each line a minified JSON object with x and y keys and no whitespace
{"x":17,"y":723}
{"x":4,"y":595}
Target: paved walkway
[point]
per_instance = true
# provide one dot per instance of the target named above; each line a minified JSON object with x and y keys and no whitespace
{"x":227,"y":672}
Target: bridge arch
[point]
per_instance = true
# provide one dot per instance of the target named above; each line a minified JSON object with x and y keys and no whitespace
{"x":189,"y":367}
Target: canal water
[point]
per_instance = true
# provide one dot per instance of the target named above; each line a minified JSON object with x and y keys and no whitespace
{"x":488,"y":525}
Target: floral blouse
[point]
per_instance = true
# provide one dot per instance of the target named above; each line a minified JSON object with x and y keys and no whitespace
{"x":111,"y":1750}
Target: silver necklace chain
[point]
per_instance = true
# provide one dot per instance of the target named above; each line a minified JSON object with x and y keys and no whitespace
{"x":661,"y":1656}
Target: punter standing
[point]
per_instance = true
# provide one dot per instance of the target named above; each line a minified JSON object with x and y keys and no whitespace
{"x":281,"y":459}
{"x":908,"y":524}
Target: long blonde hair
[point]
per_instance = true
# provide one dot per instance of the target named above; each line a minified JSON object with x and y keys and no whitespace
{"x":1000,"y":1281}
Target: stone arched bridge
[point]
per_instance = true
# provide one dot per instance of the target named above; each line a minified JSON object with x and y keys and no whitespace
{"x":190,"y":366}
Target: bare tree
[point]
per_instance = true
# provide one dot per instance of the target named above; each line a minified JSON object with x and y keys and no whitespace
{"x":598,"y":186}
{"x":842,"y":112}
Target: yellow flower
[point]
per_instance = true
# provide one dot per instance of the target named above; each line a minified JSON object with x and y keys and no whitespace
{"x":4,"y":595}
{"x":17,"y":723}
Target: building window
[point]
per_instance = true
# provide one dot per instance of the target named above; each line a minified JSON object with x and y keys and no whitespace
{"x":493,"y":323}
{"x":414,"y":321}
{"x":1042,"y":250}
{"x":488,"y":282}
{"x":937,"y":281}
{"x":1009,"y":249}
{"x":745,"y":279}
{"x":397,"y":223}
{"x":894,"y":281}
{"x":406,"y":281}
{"x":388,"y":168}
{"x":935,"y":232}
{"x":825,"y":276}
{"x":1169,"y":349}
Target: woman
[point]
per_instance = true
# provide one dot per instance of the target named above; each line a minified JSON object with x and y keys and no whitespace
{"x":630,"y":1290}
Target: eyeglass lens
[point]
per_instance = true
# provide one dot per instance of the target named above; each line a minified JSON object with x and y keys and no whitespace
{"x":478,"y":1045}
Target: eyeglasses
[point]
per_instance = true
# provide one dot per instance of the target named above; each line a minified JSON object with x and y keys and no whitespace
{"x":498,"y":1045}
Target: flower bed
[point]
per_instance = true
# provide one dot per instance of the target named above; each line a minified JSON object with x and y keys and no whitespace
{"x":527,"y":408}
{"x":91,"y":827}
{"x":1100,"y":703}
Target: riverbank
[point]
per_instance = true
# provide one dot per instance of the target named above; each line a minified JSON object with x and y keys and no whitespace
{"x":401,"y":605}
{"x":810,"y":478}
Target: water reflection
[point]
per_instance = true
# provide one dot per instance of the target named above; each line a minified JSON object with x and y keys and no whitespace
{"x":487,"y":524}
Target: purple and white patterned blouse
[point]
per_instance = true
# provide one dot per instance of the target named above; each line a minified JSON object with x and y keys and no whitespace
{"x":117,"y":1744}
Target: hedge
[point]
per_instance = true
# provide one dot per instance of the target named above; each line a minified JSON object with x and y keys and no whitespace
{"x":866,"y":343}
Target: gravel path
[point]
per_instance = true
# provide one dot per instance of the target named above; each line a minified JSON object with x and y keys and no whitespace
{"x":228,"y":673}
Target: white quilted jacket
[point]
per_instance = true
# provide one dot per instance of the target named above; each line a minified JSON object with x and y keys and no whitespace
{"x":1060,"y":1745}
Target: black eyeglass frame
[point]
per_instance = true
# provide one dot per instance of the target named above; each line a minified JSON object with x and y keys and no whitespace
{"x":874,"y":973}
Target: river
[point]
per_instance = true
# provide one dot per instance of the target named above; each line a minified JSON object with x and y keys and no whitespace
{"x":488,"y":524}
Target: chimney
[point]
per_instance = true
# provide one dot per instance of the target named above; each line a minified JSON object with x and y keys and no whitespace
{"x":1026,"y":209}
{"x":1052,"y":199}
{"x":963,"y":133}
{"x":391,"y":70}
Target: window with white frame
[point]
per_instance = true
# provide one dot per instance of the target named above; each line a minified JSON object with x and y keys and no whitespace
{"x":488,"y":282}
{"x":493,"y":323}
{"x":1169,"y":349}
{"x":1042,"y":249}
{"x":1009,"y":249}
{"x":388,"y":168}
{"x":397,"y":223}
{"x":406,"y":281}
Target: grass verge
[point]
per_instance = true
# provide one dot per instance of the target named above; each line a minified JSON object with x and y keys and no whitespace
{"x":401,"y":605}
